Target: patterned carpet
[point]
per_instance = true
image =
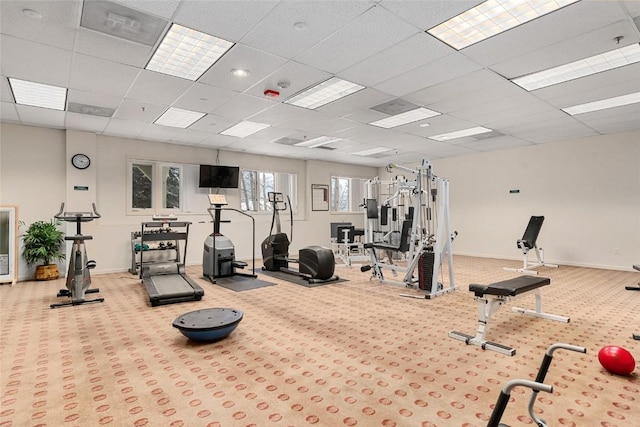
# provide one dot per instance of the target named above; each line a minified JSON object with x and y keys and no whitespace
{"x":345,"y":354}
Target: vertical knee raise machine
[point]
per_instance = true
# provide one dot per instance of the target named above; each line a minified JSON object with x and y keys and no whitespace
{"x":425,"y":235}
{"x":527,"y":243}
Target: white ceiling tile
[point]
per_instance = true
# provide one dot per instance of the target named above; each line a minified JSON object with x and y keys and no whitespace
{"x":157,"y":88}
{"x":365,"y":98}
{"x":596,"y":93}
{"x":91,"y":98}
{"x":335,"y":125}
{"x":491,"y":144}
{"x":563,"y":24}
{"x":365,"y":116}
{"x":8,"y":112}
{"x":566,"y":51}
{"x":5,"y":90}
{"x":40,"y":116}
{"x":512,"y":106}
{"x":259,"y":64}
{"x":276,"y":32}
{"x":161,"y":8}
{"x":98,"y":75}
{"x":191,"y":136}
{"x":368,"y":34}
{"x":139,"y":111}
{"x":86,"y":122}
{"x":35,"y":62}
{"x":278,"y":113}
{"x":361,"y":132}
{"x":227,"y":19}
{"x":93,"y":43}
{"x":212,"y":123}
{"x":481,"y":96}
{"x":428,"y":14}
{"x":158,"y":133}
{"x":203,"y":97}
{"x":438,"y":71}
{"x":242,"y":107}
{"x":298,"y":76}
{"x":57,"y":27}
{"x":413,"y":52}
{"x":124,"y":128}
{"x":304,"y":120}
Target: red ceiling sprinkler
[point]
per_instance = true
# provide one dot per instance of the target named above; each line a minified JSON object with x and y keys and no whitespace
{"x":271,"y":93}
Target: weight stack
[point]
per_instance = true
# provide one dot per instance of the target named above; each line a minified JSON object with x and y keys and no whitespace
{"x":425,"y":270}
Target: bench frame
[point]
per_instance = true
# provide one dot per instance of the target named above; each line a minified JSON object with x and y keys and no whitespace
{"x":489,"y":303}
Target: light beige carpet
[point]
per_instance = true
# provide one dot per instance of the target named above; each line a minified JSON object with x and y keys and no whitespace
{"x":347,"y":354}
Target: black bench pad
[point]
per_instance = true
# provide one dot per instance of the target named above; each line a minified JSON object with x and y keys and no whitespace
{"x":511,"y":287}
{"x":381,"y":246}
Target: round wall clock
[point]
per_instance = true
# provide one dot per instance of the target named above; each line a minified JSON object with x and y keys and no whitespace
{"x":80,"y":161}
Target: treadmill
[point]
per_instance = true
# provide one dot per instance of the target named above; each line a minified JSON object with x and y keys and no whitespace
{"x":167,"y":282}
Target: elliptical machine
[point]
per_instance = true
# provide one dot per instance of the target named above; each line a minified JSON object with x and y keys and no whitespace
{"x":316,"y":263}
{"x":78,"y":274}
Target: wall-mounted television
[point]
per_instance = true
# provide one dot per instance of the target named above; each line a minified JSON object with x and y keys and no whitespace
{"x":215,"y":176}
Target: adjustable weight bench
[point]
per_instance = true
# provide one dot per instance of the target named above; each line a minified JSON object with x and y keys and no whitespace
{"x":527,"y":243}
{"x":491,"y":297}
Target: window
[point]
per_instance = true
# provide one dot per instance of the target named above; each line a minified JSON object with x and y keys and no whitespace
{"x":347,"y":194}
{"x":256,"y":185}
{"x":155,"y":187}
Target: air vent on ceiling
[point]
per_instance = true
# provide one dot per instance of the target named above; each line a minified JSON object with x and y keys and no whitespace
{"x":487,"y":135}
{"x":120,"y":21}
{"x":91,"y":110}
{"x":288,"y":141}
{"x":397,"y":106}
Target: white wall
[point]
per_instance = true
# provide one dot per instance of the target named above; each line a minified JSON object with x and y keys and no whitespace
{"x":36,"y":174}
{"x":588,"y":189}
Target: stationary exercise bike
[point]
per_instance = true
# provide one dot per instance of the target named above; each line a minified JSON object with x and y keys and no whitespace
{"x":78,"y":275}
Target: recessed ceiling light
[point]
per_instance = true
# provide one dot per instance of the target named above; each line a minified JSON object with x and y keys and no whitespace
{"x":239,"y":72}
{"x":244,"y":129}
{"x":490,"y":18}
{"x":404,"y":118}
{"x":318,"y":142}
{"x":618,"y":101}
{"x":179,"y":118}
{"x":38,"y":94}
{"x":324,"y":93}
{"x":581,"y":68}
{"x":424,"y":125}
{"x":372,"y":151}
{"x":187,"y":53}
{"x":33,"y":14}
{"x":460,"y":133}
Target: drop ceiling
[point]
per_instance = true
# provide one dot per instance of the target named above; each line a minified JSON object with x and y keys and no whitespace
{"x":288,"y":46}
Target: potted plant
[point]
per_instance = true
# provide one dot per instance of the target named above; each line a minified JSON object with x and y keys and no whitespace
{"x":42,"y":244}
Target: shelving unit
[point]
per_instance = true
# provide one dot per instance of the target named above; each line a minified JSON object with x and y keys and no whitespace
{"x":155,"y":232}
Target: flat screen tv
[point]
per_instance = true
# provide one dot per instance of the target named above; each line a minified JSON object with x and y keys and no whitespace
{"x":215,"y":176}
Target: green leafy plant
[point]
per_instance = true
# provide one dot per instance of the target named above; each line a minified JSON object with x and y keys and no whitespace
{"x":43,"y":243}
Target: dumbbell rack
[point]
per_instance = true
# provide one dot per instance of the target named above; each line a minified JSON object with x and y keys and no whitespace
{"x":154,"y":234}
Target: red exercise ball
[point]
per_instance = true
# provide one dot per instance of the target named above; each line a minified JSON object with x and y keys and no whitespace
{"x":616,"y":360}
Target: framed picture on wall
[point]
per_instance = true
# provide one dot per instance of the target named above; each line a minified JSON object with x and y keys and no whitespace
{"x":319,"y":197}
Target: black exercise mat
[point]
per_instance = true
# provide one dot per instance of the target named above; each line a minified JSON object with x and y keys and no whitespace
{"x":241,"y":283}
{"x":297,"y":279}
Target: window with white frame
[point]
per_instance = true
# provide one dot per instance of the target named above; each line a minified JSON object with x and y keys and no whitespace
{"x":347,"y":193}
{"x":155,"y":187}
{"x":255,"y":187}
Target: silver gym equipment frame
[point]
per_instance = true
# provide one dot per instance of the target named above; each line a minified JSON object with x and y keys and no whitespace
{"x":80,"y":266}
{"x":527,"y":243}
{"x":430,"y":231}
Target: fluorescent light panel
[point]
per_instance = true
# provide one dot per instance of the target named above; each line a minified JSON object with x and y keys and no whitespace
{"x":318,"y":142}
{"x":460,"y":133}
{"x":490,"y":18}
{"x":187,"y":53}
{"x":603,"y":104}
{"x":178,"y":118}
{"x":38,"y":94}
{"x":581,"y":68}
{"x":372,"y":151}
{"x":404,"y":118}
{"x":324,"y":93}
{"x":244,"y":129}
